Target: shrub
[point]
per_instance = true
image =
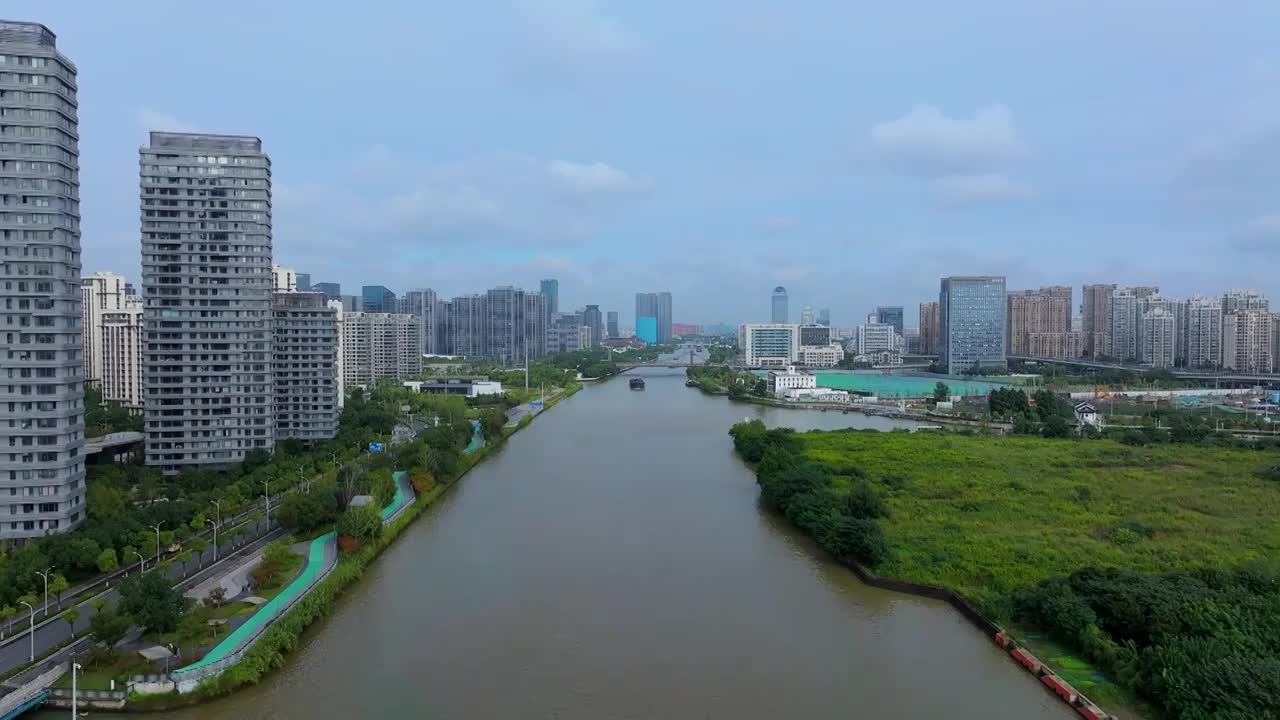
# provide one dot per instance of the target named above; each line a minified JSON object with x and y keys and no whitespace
{"x":864,"y":502}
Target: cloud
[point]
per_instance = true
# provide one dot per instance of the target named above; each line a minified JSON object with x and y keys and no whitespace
{"x":570,"y":44}
{"x":1259,"y":237}
{"x":591,"y":177}
{"x":927,"y":140}
{"x":163,"y":122}
{"x":964,"y":189}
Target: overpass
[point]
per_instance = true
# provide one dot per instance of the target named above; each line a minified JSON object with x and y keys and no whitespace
{"x":111,"y":446}
{"x":1225,"y":376}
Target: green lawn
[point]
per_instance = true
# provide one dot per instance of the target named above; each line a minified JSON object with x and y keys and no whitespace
{"x":988,"y":515}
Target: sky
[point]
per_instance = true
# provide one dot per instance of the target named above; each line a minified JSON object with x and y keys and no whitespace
{"x":852,"y":152}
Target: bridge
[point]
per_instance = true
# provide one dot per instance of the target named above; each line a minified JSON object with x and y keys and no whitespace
{"x":111,"y":446}
{"x":1225,"y":376}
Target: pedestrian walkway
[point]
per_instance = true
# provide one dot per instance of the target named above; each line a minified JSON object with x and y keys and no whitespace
{"x":477,"y":438}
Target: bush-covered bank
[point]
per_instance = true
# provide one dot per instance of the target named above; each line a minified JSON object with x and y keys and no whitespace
{"x":282,"y":637}
{"x":993,"y":518}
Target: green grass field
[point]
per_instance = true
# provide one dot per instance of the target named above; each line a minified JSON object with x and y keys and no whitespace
{"x":989,"y":515}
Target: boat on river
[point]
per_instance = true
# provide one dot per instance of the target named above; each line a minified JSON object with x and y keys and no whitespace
{"x":637,"y":383}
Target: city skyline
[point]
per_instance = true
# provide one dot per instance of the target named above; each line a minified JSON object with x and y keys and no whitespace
{"x":593,"y":198}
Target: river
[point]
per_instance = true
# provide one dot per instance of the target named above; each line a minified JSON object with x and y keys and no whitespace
{"x":614,"y":561}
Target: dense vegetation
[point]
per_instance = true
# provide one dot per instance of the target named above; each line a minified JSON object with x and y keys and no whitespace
{"x":1185,"y":612}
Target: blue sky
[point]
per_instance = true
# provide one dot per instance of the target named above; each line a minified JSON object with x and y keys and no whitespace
{"x":853,"y":152}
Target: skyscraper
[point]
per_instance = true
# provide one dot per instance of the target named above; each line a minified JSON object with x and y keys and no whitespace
{"x":1047,"y":310}
{"x":42,"y":424}
{"x":111,"y":321}
{"x":612,"y":323}
{"x":806,"y":316}
{"x":1157,"y":337}
{"x":100,"y":292}
{"x":304,"y":282}
{"x":377,"y":346}
{"x":378,"y":299}
{"x":971,"y":323}
{"x":653,"y":317}
{"x":1124,"y":312}
{"x":890,"y":315}
{"x":929,"y":328}
{"x":1201,"y":335}
{"x":591,"y":318}
{"x":824,"y":317}
{"x":1247,"y":341}
{"x":1095,"y":314}
{"x":664,"y":318}
{"x":1234,"y":300}
{"x":550,"y":289}
{"x":332,"y":291}
{"x":780,"y":309}
{"x":425,"y":306}
{"x":206,"y":274}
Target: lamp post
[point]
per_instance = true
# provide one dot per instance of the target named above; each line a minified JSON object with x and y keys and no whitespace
{"x":217,"y":504}
{"x":45,"y":575}
{"x":302,"y":480}
{"x":31,"y":613}
{"x":266,"y":496}
{"x":156,"y":527}
{"x":215,"y":538}
{"x":75,"y":666}
{"x":142,"y":561}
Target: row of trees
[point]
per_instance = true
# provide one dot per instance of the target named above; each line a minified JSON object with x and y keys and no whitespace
{"x":1201,"y":644}
{"x":846,"y":525}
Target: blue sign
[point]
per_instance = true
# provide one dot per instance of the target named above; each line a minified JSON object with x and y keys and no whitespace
{"x":375,"y":447}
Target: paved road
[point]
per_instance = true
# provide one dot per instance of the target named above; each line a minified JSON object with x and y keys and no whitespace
{"x":16,"y":649}
{"x":517,"y":413}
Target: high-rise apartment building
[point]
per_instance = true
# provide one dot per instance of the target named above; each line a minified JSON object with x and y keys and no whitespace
{"x":424,"y":305}
{"x":1234,"y":300}
{"x":378,"y":299}
{"x":653,"y":317}
{"x":890,"y":315}
{"x":781,"y":311}
{"x":1124,"y":312}
{"x":1095,"y":317}
{"x":769,"y":344}
{"x":929,"y":328}
{"x":1275,"y":343}
{"x":1247,"y":341}
{"x":505,"y":324}
{"x":1047,"y":310}
{"x":377,"y":346}
{"x":592,"y":318}
{"x":568,"y":333}
{"x":971,"y":323}
{"x":41,"y":377}
{"x":1157,"y":337}
{"x":283,"y":279}
{"x":1201,"y":333}
{"x":100,"y":292}
{"x":206,"y":272}
{"x":304,"y":362}
{"x":612,"y":323}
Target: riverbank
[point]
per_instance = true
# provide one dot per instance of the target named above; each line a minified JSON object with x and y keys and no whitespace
{"x":1012,"y":529}
{"x":281,"y":637}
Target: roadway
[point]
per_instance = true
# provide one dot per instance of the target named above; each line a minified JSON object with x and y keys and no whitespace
{"x":1188,"y":374}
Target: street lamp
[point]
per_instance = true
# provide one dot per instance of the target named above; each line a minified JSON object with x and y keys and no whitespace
{"x":215,"y":539}
{"x":334,"y":455}
{"x":31,"y":613}
{"x":45,"y":575}
{"x":156,"y":527}
{"x":302,"y":480}
{"x":266,"y":495}
{"x":75,"y":666}
{"x":142,"y":561}
{"x":217,"y":504}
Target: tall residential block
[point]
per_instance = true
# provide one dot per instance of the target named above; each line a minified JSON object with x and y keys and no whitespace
{"x":1247,"y":341}
{"x":1233,"y":300}
{"x":283,"y":279}
{"x":41,"y":356}
{"x":505,"y":324}
{"x":1095,"y":314}
{"x":781,"y":311}
{"x":890,"y":315}
{"x":206,"y":273}
{"x":304,"y":361}
{"x":1047,"y":310}
{"x":568,"y":333}
{"x":971,"y":323}
{"x":100,"y":292}
{"x":1157,"y":337}
{"x":378,"y":345}
{"x":612,"y":323}
{"x":929,"y":328}
{"x":1201,"y":333}
{"x":425,"y":306}
{"x":1124,"y":312}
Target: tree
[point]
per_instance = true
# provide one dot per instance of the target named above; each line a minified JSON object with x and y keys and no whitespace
{"x":126,"y":554}
{"x":941,"y":391}
{"x":6,"y":615}
{"x":198,"y":545}
{"x":361,"y":522}
{"x":183,"y":558}
{"x":150,"y":601}
{"x":760,"y":389}
{"x":865,"y":503}
{"x":107,"y":560}
{"x":216,"y":597}
{"x":301,"y":513}
{"x":862,"y":540}
{"x":58,"y":585}
{"x":72,"y":616}
{"x":491,"y":423}
{"x":198,"y":521}
{"x":1057,"y":427}
{"x":109,"y":626}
